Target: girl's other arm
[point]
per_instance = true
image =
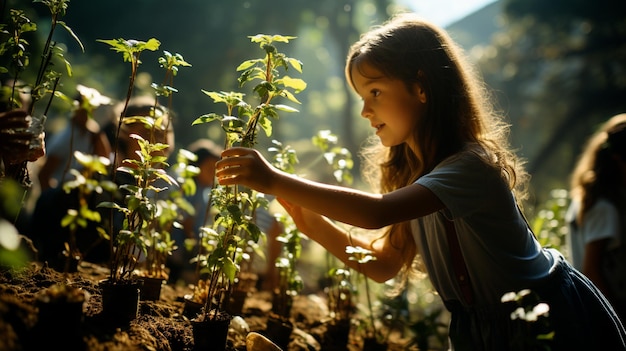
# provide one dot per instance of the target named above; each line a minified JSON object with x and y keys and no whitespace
{"x":335,"y":239}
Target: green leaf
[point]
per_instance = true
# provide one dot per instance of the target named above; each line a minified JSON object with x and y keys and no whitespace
{"x":206,"y":118}
{"x":153,"y":44}
{"x":295,"y":83}
{"x":289,"y":96}
{"x":72,"y":34}
{"x":248,"y":63}
{"x":266,"y":125}
{"x":93,"y":216}
{"x":230,"y":269}
{"x":68,"y":218}
{"x":296,"y":64}
{"x":285,"y":108}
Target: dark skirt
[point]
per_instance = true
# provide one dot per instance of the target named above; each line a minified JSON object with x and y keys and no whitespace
{"x":579,"y":318}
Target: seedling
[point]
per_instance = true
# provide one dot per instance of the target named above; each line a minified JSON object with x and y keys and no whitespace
{"x":233,"y":227}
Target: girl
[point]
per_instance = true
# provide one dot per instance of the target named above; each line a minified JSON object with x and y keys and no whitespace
{"x":598,"y":210}
{"x":447,"y":193}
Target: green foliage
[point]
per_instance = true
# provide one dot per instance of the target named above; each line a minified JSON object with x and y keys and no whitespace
{"x":11,"y":253}
{"x":363,"y":256}
{"x":549,"y":223}
{"x":339,"y":158}
{"x":15,"y":46}
{"x":290,"y":282}
{"x":87,"y":180}
{"x":234,"y":230}
{"x":425,"y":328}
{"x":533,"y":314}
{"x":148,"y":219}
{"x":242,"y":128}
{"x":131,"y":49}
{"x":85,"y":184}
{"x":341,"y":293}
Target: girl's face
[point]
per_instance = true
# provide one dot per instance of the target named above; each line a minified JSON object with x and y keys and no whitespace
{"x":392,"y":109}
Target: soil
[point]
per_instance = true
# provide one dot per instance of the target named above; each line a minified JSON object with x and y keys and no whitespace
{"x":160,"y":324}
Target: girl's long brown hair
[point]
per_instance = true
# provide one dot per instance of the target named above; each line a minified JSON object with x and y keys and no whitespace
{"x":459,"y":111}
{"x":597,"y":173}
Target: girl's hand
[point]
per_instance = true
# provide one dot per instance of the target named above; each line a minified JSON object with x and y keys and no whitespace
{"x":246,"y":167}
{"x":306,"y":220}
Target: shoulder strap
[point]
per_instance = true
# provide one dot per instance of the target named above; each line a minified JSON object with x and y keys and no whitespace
{"x":460,"y":270}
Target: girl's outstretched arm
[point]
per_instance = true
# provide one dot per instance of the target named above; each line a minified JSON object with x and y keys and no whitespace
{"x":335,"y":239}
{"x":247,"y":167}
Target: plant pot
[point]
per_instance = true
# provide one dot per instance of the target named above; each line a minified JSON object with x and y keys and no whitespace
{"x":151,"y":288}
{"x":69,"y":264}
{"x":279,"y":330}
{"x":120,"y":300}
{"x":211,"y":334}
{"x":236,"y":302}
{"x":191,"y":308}
{"x":337,"y":335}
{"x":372,"y":344}
{"x":281,"y":303}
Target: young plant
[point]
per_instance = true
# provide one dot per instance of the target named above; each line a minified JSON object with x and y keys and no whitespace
{"x":341,"y":290}
{"x":87,"y":182}
{"x":423,"y":329}
{"x":337,"y":157}
{"x":21,"y":93}
{"x":234,"y":226}
{"x":85,"y":185}
{"x":12,"y":252}
{"x":159,"y":242}
{"x":127,"y":245}
{"x":141,"y":210}
{"x":289,"y":280}
{"x":536,"y":331}
{"x":148,"y":218}
{"x":341,"y":294}
{"x":131,"y":51}
{"x":363,"y":256}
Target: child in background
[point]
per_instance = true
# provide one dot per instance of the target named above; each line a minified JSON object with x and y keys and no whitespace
{"x":597,"y":214}
{"x":448,"y":193}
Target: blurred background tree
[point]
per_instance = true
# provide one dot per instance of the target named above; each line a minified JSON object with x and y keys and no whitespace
{"x":559,"y":68}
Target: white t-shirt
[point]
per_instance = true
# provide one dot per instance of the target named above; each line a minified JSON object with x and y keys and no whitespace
{"x":500,"y":251}
{"x":601,"y":222}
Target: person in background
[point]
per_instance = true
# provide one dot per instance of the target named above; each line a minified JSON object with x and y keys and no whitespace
{"x":15,"y":139}
{"x":126,"y":147}
{"x":597,"y":212}
{"x":448,"y":192}
{"x":22,"y":138}
{"x":81,"y":134}
{"x":19,"y":143}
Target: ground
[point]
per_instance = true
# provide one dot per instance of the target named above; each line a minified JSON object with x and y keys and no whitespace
{"x":160,"y":325}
